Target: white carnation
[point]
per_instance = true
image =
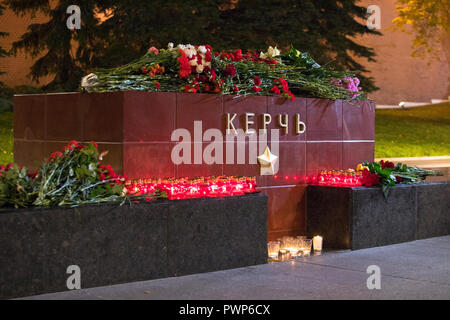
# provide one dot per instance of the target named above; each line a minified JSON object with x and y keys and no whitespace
{"x":200,"y":68}
{"x":271,"y":53}
{"x":89,"y":81}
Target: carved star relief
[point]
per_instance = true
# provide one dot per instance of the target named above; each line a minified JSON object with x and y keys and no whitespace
{"x":268,"y":162}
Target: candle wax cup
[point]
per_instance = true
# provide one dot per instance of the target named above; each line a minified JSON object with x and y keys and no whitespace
{"x":317,"y":243}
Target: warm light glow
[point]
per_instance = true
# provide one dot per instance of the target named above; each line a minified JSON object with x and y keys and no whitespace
{"x":336,"y":178}
{"x":317,"y":243}
{"x":202,"y":187}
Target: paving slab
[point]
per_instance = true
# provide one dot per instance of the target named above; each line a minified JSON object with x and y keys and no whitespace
{"x":412,"y":270}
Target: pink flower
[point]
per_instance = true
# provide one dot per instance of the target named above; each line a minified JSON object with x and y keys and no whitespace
{"x":153,"y":50}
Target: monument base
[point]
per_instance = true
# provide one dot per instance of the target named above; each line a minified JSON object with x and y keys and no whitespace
{"x":114,"y":244}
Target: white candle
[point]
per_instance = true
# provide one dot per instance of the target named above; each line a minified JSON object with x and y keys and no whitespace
{"x":317,"y":243}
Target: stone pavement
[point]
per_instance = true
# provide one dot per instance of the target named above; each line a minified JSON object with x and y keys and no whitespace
{"x":412,"y":270}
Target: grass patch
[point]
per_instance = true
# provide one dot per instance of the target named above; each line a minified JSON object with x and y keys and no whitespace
{"x":415,"y":132}
{"x":6,"y":137}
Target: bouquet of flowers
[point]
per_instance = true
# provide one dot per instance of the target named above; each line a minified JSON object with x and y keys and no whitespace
{"x":188,"y":68}
{"x":387,"y":174}
{"x":69,"y":178}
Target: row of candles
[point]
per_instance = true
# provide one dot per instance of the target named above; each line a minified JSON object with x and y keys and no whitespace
{"x":337,"y":178}
{"x":186,"y":188}
{"x":292,"y":247}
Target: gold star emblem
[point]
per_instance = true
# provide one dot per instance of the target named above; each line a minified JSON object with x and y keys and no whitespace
{"x":268,"y":162}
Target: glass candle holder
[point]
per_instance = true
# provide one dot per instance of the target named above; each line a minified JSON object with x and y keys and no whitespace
{"x":307,"y":247}
{"x":273,"y":248}
{"x":317,"y":243}
{"x":284,"y":255}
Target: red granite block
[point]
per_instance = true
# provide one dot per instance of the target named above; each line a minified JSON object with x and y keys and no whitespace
{"x":29,"y":153}
{"x":323,"y":119}
{"x":64,"y":117}
{"x":244,"y":169}
{"x":277,"y":235}
{"x":359,"y":120}
{"x":357,"y":152}
{"x":277,"y":106}
{"x":242,"y":105}
{"x":115,"y":156}
{"x":323,"y":155}
{"x":286,"y":208}
{"x":292,"y":164}
{"x":149,"y":116}
{"x":199,"y":107}
{"x":103,"y":117}
{"x":29,"y":117}
{"x":148,"y":160}
{"x":196,"y":170}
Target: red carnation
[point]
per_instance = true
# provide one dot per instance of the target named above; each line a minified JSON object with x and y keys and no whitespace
{"x":208,"y":56}
{"x":33,"y":174}
{"x":144,"y":70}
{"x":237,"y":55}
{"x":386,"y":164}
{"x":370,"y":179}
{"x":235,"y":88}
{"x":398,"y":180}
{"x":158,"y":86}
{"x":284,"y":84}
{"x":256,"y":89}
{"x":230,"y":71}
{"x":185,"y":67}
{"x":72,"y":144}
{"x":275,"y":90}
{"x":55,"y":155}
{"x":213,"y":75}
{"x":291,"y":96}
{"x":257,"y":81}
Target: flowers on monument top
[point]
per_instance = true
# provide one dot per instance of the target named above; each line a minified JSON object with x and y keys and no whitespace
{"x":275,"y":90}
{"x":256,"y":89}
{"x":349,"y":83}
{"x":153,"y":50}
{"x":271,"y":73}
{"x":271,"y":53}
{"x":230,"y":71}
{"x":185,"y":67}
